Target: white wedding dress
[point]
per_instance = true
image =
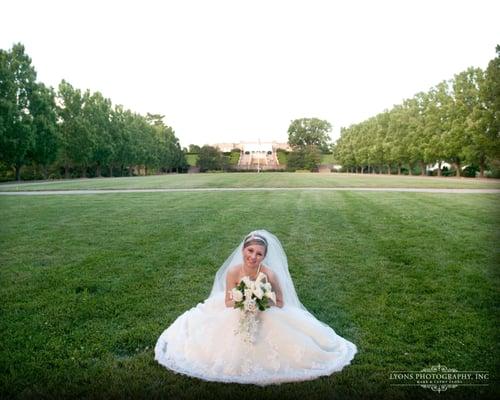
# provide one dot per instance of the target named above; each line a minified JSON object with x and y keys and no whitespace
{"x":290,"y":344}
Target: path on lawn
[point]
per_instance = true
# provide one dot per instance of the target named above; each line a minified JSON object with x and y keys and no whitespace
{"x":261,"y":189}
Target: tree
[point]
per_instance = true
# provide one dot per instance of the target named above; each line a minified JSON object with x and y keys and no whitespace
{"x":194,"y":148}
{"x":75,"y":131}
{"x":295,"y":160}
{"x":305,"y":157}
{"x":97,"y":112}
{"x":119,"y":136}
{"x":170,"y":154}
{"x":309,"y":131}
{"x":209,"y":158}
{"x":490,"y":95}
{"x":398,"y":137}
{"x":308,"y":137}
{"x":17,"y":84}
{"x":381,"y":146}
{"x":312,"y":157}
{"x":437,"y":123}
{"x":418,"y":142}
{"x":344,"y":152}
{"x":466,"y":115}
{"x":46,"y":136}
{"x":143,"y":144}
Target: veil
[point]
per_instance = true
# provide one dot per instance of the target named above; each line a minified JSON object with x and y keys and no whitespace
{"x":275,"y":260}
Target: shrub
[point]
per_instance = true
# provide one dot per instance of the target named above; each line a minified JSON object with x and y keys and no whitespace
{"x":445,"y":171}
{"x":471,"y":171}
{"x":493,"y":170}
{"x":305,"y":157}
{"x":210,"y":158}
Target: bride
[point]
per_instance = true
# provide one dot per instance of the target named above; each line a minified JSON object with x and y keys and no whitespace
{"x":214,"y":341}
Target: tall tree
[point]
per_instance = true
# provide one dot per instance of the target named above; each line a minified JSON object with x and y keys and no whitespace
{"x":309,"y":131}
{"x":17,"y":84}
{"x":344,"y":152}
{"x":76,"y":133}
{"x":466,"y":112}
{"x":169,"y":153}
{"x":307,"y":137}
{"x":142,"y":144}
{"x":194,"y":148}
{"x":46,"y":136}
{"x":398,"y":137}
{"x":491,"y":95}
{"x":117,"y":134}
{"x":486,"y":139}
{"x":97,"y":113}
{"x":418,"y":142}
{"x":437,"y":123}
{"x":381,"y":145}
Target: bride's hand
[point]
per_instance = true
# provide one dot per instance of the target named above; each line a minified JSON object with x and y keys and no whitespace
{"x":279,"y":303}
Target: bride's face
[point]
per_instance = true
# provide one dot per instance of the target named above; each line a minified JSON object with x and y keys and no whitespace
{"x":253,"y":255}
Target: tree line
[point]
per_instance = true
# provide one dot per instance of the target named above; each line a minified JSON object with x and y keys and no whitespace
{"x":75,"y":132}
{"x":456,"y":121}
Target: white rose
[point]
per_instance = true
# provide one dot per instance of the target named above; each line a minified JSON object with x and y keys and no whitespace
{"x":237,"y":295}
{"x":250,"y":306}
{"x":267,"y":287}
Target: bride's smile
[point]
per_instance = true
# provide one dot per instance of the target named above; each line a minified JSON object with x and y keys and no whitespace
{"x":253,"y":256}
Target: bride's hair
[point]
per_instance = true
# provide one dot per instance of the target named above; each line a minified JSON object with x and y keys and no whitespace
{"x":255,"y":238}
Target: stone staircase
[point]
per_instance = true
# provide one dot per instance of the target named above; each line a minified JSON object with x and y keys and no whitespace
{"x":255,"y":161}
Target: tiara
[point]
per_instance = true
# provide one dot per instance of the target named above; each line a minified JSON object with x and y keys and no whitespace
{"x":257,"y":237}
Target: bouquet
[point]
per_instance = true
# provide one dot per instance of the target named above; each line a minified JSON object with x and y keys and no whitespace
{"x":250,"y":297}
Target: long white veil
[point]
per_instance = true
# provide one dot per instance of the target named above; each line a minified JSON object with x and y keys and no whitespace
{"x":275,"y":260}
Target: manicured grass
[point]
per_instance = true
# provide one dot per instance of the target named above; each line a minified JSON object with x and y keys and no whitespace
{"x":265,"y":179}
{"x":88,"y":283}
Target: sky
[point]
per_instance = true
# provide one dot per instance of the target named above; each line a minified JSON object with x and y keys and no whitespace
{"x":231,"y":70}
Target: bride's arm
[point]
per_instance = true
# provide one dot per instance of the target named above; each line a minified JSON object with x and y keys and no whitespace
{"x":230,"y":283}
{"x":276,"y":289}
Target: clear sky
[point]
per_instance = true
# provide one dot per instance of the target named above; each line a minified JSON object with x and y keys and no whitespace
{"x":230,"y":70}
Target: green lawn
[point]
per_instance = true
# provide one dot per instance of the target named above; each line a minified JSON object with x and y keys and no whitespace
{"x":88,"y":283}
{"x":265,"y":179}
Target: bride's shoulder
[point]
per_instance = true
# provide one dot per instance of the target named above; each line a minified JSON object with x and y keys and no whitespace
{"x":234,"y":270}
{"x":267,"y":271}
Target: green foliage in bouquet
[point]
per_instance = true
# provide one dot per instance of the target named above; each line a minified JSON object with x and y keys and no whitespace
{"x":262,"y":303}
